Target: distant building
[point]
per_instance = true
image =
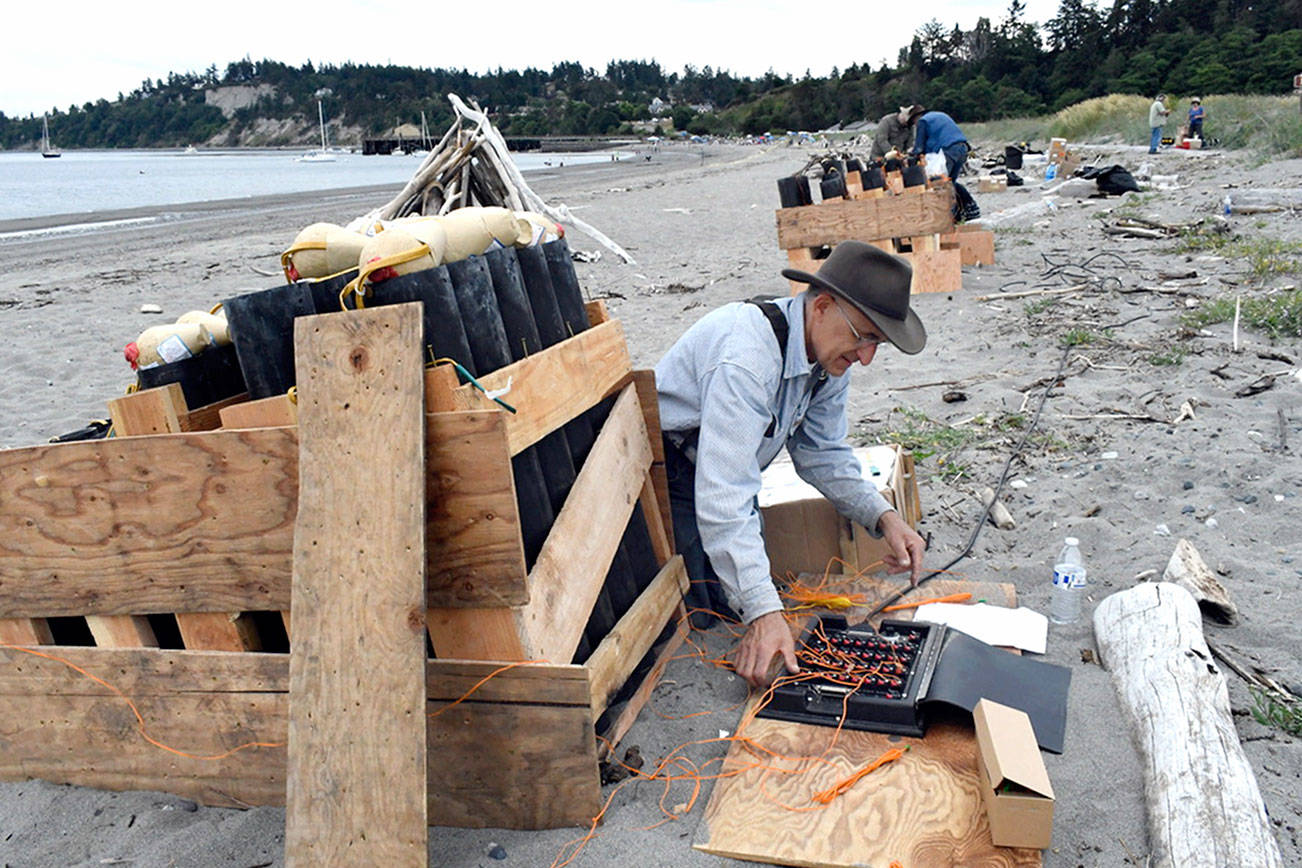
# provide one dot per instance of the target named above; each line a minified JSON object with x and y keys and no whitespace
{"x":659,"y":107}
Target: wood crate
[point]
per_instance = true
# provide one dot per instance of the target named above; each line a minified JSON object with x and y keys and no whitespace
{"x":200,"y":523}
{"x":908,"y":223}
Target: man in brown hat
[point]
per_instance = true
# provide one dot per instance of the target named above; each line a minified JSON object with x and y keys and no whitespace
{"x":747,"y":380}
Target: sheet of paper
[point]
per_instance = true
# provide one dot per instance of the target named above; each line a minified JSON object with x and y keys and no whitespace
{"x":1020,"y":628}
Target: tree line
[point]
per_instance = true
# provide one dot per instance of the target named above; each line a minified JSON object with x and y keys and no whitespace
{"x":1010,"y":67}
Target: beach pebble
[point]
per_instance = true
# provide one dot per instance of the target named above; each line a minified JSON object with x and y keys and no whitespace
{"x":1279,"y":498}
{"x":1247,"y":498}
{"x":151,"y":308}
{"x":1141,"y":494}
{"x":1162,"y":530}
{"x":1211,"y":522}
{"x":1188,"y":510}
{"x":1187,"y":485}
{"x":496,"y":851}
{"x":1021,"y":483}
{"x":1108,"y":456}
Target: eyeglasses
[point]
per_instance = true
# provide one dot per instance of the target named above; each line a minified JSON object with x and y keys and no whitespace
{"x":862,"y":341}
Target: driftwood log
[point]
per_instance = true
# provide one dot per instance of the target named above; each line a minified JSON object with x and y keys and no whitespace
{"x":472,"y":166}
{"x":1187,"y":569}
{"x":1202,"y":801}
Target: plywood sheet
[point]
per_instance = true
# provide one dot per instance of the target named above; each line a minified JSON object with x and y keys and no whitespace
{"x":866,"y":219}
{"x":925,"y":809}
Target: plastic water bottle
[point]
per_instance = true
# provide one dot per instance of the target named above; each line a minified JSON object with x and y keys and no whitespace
{"x":1226,"y":205}
{"x":1068,"y":584}
{"x":1050,"y":171}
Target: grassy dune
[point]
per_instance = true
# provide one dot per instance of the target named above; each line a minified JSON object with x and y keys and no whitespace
{"x":1268,"y":126}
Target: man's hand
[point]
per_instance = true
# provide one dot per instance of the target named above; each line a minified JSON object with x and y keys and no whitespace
{"x":766,"y":637}
{"x":906,"y":546}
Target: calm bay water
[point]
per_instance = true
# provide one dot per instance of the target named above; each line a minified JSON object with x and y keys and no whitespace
{"x":82,"y":182}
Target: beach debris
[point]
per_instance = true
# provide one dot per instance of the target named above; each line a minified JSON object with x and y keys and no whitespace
{"x":192,"y":333}
{"x":1256,"y":387}
{"x":1187,"y":569}
{"x":999,"y":515}
{"x":151,"y":308}
{"x":954,"y":396}
{"x":496,"y":851}
{"x":470,"y":166}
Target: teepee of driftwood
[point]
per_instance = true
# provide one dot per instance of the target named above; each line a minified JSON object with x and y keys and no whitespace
{"x":471,"y":166}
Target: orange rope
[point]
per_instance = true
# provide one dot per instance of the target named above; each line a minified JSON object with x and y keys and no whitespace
{"x":948,"y":598}
{"x":826,"y":796}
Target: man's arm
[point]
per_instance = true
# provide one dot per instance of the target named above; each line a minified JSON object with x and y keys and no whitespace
{"x":823,"y":459}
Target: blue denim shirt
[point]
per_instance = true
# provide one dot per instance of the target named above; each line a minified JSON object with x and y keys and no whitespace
{"x":725,"y":377}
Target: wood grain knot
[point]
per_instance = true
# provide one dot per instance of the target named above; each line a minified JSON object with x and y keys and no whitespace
{"x":359,"y":358}
{"x":416,"y":620}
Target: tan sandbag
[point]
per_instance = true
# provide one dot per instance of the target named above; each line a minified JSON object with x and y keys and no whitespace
{"x":321,"y":250}
{"x":542,"y":228}
{"x":219,"y":334}
{"x":165,"y":344}
{"x":476,"y":230}
{"x":392,"y":253}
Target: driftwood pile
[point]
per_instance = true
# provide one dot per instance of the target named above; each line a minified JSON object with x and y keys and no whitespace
{"x":472,"y":166}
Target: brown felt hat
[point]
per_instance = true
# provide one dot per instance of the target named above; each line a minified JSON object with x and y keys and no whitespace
{"x":916,"y":111}
{"x":875,"y":282}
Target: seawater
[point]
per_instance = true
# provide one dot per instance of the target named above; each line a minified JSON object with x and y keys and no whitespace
{"x":83,"y":182}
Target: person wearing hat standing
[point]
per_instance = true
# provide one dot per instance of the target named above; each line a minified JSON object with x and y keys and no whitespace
{"x":895,"y":132}
{"x":1157,"y":113}
{"x":937,"y":131}
{"x":751,"y":378}
{"x":1196,"y":115}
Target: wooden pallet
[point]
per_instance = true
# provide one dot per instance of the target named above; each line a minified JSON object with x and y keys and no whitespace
{"x":202,"y":522}
{"x":909,"y":223}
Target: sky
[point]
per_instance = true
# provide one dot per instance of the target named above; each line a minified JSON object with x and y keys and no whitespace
{"x":70,"y":52}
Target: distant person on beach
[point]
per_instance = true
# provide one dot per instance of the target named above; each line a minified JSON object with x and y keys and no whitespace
{"x":936,"y":131}
{"x":1196,"y":115}
{"x":749,"y":379}
{"x":894,"y":133}
{"x":1157,"y":113}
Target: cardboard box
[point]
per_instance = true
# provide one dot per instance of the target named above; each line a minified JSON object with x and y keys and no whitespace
{"x":803,"y":531}
{"x":1057,"y":147}
{"x":1014,"y":783}
{"x":992,"y":183}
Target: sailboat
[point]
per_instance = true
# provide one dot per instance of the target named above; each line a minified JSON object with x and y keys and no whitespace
{"x":323,"y":155}
{"x":423,"y":150}
{"x":47,"y":150}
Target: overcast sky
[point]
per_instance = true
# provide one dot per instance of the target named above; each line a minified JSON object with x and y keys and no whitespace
{"x":63,"y":52}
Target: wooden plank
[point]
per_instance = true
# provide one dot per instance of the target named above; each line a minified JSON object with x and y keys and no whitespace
{"x":356,"y":774}
{"x":642,"y":695}
{"x":481,"y":634}
{"x":936,"y":270}
{"x":273,"y":412}
{"x":208,"y":417}
{"x":976,"y":245}
{"x":645,"y":381}
{"x":597,"y":312}
{"x":631,"y":638}
{"x":551,"y":387}
{"x":660,"y":541}
{"x":440,"y":383}
{"x":519,"y":766}
{"x":927,"y":803}
{"x":567,"y":576}
{"x":121,"y":631}
{"x":475,"y":556}
{"x":25,"y":631}
{"x":149,"y":411}
{"x":534,"y":767}
{"x":177,"y":523}
{"x":156,"y":411}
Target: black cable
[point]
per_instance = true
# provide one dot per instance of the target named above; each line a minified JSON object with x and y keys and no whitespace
{"x":999,"y":487}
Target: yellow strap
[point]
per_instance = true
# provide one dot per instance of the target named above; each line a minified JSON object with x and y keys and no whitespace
{"x":295,"y":248}
{"x":359,"y":286}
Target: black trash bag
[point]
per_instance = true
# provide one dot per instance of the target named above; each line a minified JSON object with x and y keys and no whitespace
{"x":965,"y":207}
{"x":1113,"y":180}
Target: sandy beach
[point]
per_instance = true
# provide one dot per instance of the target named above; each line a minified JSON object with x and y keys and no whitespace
{"x":1114,"y":464}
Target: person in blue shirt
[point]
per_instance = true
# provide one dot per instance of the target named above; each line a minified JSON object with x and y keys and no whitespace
{"x":735,"y":390}
{"x":1196,"y":115}
{"x":936,"y":131}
